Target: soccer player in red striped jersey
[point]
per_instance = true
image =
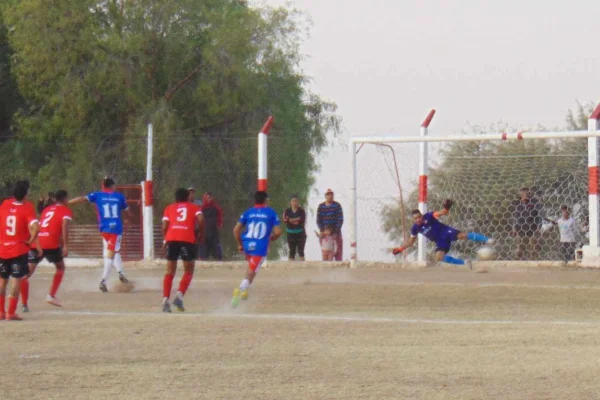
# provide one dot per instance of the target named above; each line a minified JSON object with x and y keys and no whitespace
{"x":178,"y":224}
{"x":52,"y":244}
{"x":19,"y":228}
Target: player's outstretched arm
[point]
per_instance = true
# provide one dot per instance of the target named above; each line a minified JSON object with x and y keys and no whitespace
{"x":77,"y":200}
{"x":400,"y":249}
{"x":446,"y":206}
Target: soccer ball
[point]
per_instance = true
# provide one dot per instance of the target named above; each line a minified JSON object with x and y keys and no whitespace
{"x":486,"y":254}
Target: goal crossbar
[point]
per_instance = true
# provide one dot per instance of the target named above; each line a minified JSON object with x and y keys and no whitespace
{"x":484,"y":137}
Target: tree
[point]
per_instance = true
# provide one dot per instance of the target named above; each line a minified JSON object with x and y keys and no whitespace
{"x":484,"y":179}
{"x":206,"y":73}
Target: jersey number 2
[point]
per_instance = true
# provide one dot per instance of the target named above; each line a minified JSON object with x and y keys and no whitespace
{"x":107,"y":208}
{"x":46,"y":220}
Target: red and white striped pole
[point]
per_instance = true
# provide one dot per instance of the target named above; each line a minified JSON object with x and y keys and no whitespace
{"x":148,"y":196}
{"x":423,"y":170}
{"x":262,"y":154}
{"x":593,"y":180}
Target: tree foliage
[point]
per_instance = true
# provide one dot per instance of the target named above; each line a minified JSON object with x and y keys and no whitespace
{"x":205,"y":73}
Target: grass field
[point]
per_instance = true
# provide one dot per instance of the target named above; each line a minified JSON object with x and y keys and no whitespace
{"x":312,"y":333}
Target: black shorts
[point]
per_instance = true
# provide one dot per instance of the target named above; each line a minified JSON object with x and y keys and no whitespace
{"x":16,"y":267}
{"x":52,"y":255}
{"x":184,"y":250}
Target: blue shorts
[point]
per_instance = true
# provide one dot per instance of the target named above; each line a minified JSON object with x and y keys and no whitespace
{"x":445,"y":241}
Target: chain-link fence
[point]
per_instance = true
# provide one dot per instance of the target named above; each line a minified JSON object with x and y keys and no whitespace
{"x":224,"y":164}
{"x":484,"y":180}
{"x":512,"y":192}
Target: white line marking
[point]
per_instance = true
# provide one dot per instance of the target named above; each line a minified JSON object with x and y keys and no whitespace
{"x":492,"y":285}
{"x":316,"y":317}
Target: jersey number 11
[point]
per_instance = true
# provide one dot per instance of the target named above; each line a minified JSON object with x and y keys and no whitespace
{"x":107,"y":211}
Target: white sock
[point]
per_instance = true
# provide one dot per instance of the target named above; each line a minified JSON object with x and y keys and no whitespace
{"x":165,"y":300}
{"x":107,"y":267}
{"x":245,"y":284}
{"x":179,"y":295}
{"x":118,"y":263}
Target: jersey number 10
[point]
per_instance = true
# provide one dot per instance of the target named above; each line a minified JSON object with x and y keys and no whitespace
{"x":256,"y":230}
{"x":110,"y":210}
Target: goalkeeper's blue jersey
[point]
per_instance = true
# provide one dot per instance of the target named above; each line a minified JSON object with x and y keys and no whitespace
{"x":431,"y":228}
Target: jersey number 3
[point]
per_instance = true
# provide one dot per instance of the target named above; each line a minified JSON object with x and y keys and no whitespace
{"x":181,"y":214}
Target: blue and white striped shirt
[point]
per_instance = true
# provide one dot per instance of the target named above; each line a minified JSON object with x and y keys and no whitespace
{"x":330,"y":215}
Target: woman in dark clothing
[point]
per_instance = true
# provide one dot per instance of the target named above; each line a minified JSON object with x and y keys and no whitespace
{"x":295,"y":218}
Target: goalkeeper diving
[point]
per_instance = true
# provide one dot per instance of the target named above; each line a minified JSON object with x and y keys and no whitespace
{"x":443,"y":235}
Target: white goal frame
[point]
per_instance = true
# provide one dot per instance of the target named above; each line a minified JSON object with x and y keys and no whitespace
{"x":591,"y":252}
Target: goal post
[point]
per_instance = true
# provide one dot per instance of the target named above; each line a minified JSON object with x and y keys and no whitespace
{"x":591,"y":252}
{"x":493,"y":158}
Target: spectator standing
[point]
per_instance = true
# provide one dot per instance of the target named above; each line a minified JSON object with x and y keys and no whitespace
{"x":568,"y":234}
{"x":191,"y":194}
{"x":295,"y":220}
{"x":526,"y":226}
{"x":330,"y":213}
{"x":213,"y":222}
{"x":43,"y":203}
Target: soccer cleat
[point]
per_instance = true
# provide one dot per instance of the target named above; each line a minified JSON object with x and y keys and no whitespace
{"x":25,"y":308}
{"x":235,"y":301}
{"x":13,"y":317}
{"x":244,"y":295}
{"x":166,"y":307}
{"x":178,"y":303}
{"x":469,"y":264}
{"x":122,"y":278}
{"x":53,"y":300}
{"x":103,"y":287}
{"x":490,"y":241}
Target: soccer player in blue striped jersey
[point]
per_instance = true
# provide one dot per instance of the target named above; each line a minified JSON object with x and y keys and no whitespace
{"x":256,"y":227}
{"x":109,"y":205}
{"x":443,"y":235}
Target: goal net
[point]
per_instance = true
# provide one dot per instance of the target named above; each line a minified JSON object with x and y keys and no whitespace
{"x":510,"y":190}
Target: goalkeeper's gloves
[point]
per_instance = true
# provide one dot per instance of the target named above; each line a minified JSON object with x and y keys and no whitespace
{"x":398,"y":250}
{"x":447,"y":204}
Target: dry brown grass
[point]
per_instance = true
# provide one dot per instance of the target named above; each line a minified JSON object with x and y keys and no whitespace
{"x":436,"y":333}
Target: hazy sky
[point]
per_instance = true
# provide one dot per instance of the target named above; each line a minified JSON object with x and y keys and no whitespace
{"x":386,"y":63}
